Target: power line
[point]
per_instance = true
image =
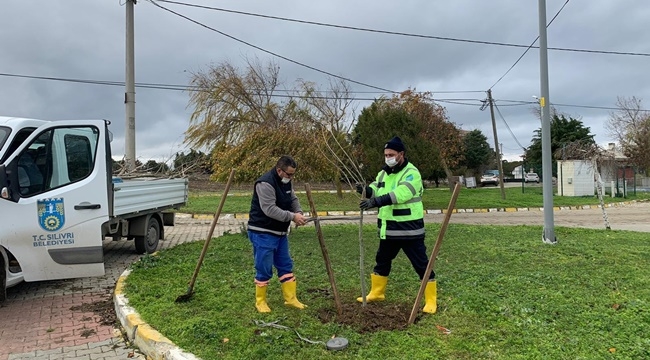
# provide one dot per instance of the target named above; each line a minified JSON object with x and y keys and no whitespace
{"x":197,"y":88}
{"x":403,"y":33}
{"x":457,"y":102}
{"x":508,"y":127}
{"x":529,"y":47}
{"x":270,"y":52}
{"x":98,"y":82}
{"x":590,"y":107}
{"x":522,"y":102}
{"x":176,"y":87}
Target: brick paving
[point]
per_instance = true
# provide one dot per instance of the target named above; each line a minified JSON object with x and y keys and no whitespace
{"x":46,"y":319}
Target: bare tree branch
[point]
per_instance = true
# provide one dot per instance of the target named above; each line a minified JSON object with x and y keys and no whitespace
{"x":630,"y":126}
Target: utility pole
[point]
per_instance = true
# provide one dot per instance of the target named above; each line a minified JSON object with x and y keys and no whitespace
{"x":129,"y":94}
{"x":496,"y":145}
{"x":544,"y":103}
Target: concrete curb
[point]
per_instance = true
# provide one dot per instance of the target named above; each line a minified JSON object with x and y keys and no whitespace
{"x":436,"y":211}
{"x":150,"y":342}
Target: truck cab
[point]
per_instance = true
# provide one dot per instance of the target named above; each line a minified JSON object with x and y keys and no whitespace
{"x":57,"y":201}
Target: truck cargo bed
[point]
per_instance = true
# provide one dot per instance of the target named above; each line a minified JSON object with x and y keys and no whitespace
{"x":141,"y":195}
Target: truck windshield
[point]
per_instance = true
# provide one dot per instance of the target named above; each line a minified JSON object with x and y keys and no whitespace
{"x":4,"y":134}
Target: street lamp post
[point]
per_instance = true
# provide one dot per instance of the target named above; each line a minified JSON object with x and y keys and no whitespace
{"x":548,"y":235}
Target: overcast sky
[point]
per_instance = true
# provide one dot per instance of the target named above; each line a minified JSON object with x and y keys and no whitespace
{"x":85,"y":40}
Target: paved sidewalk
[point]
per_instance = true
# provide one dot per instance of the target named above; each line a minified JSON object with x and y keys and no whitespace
{"x":59,"y":319}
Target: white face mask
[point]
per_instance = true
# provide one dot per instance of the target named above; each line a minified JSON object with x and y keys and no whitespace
{"x":391,"y":161}
{"x":285,"y":180}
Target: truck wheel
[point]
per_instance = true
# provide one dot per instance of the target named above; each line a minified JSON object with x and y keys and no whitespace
{"x":3,"y":280}
{"x":148,"y":243}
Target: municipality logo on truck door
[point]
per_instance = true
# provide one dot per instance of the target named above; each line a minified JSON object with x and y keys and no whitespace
{"x":51,"y":214}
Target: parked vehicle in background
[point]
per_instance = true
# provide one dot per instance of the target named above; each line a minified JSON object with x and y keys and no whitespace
{"x":59,"y":201}
{"x":490,"y":177}
{"x":531,"y":177}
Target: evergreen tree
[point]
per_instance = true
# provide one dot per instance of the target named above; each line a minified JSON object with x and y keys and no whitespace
{"x":477,"y":151}
{"x":563,"y":131}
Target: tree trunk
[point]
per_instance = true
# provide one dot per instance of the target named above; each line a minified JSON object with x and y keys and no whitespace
{"x":450,"y":180}
{"x":339,"y":186}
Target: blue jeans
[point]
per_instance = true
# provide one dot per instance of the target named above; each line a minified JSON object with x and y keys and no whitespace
{"x":271,"y":250}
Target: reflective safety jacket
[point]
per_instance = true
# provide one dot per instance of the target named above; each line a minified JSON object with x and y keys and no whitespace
{"x":404,"y":219}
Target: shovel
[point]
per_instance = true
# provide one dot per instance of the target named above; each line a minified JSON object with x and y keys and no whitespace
{"x":190,"y":289}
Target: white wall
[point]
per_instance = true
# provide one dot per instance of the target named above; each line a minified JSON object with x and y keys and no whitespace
{"x":575,"y":178}
{"x":516,"y":172}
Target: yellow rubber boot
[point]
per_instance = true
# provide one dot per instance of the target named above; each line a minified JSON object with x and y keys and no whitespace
{"x":260,"y":299}
{"x":430,"y":301}
{"x":289,"y":292}
{"x":377,"y":290}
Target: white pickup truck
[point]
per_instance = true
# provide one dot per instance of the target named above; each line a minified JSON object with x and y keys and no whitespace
{"x":59,"y":200}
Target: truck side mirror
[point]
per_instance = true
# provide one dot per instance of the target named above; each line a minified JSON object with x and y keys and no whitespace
{"x":9,"y":183}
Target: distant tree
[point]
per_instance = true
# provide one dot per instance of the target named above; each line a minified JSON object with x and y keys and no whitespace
{"x":119,"y":168}
{"x":563,"y":131}
{"x":116,"y":166}
{"x":377,"y":124}
{"x":331,"y":112}
{"x":251,"y":160}
{"x":477,"y":151}
{"x":240,"y":115}
{"x":509,"y":166}
{"x":630,"y":126}
{"x":437,"y":130}
{"x":433,"y":143}
{"x":155,"y":167}
{"x":229,"y":102}
{"x":194,"y":162}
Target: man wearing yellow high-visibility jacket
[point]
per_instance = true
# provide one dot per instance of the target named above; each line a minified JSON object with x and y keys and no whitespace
{"x":397,"y":192}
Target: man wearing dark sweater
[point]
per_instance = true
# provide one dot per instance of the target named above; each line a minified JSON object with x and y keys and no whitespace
{"x":273,"y":207}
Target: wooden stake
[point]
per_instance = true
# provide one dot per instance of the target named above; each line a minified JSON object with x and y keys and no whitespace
{"x":362,"y":272}
{"x":190,"y":288}
{"x":434,"y":254}
{"x":323,"y":248}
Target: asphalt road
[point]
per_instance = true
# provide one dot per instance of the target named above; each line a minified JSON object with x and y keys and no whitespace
{"x":633,"y":217}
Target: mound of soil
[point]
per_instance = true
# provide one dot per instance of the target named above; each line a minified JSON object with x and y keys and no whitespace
{"x":370,"y":318}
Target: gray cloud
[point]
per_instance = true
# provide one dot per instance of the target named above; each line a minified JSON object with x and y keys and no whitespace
{"x":80,"y":39}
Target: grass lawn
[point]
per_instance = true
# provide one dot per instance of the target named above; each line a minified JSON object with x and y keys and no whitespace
{"x":434,"y":198}
{"x":502,"y":293}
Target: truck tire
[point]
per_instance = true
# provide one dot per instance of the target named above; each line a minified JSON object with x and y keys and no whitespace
{"x":148,"y":243}
{"x":3,"y":280}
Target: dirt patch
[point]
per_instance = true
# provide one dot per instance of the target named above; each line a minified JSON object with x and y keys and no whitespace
{"x":88,"y":332}
{"x":370,"y":318}
{"x":79,"y":288}
{"x":103,"y":308}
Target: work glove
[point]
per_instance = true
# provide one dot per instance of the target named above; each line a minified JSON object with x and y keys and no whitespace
{"x":366,"y":204}
{"x":375,"y":202}
{"x":368,"y":190}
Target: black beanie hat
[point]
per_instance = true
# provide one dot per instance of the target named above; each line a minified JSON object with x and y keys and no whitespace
{"x":395,"y":144}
